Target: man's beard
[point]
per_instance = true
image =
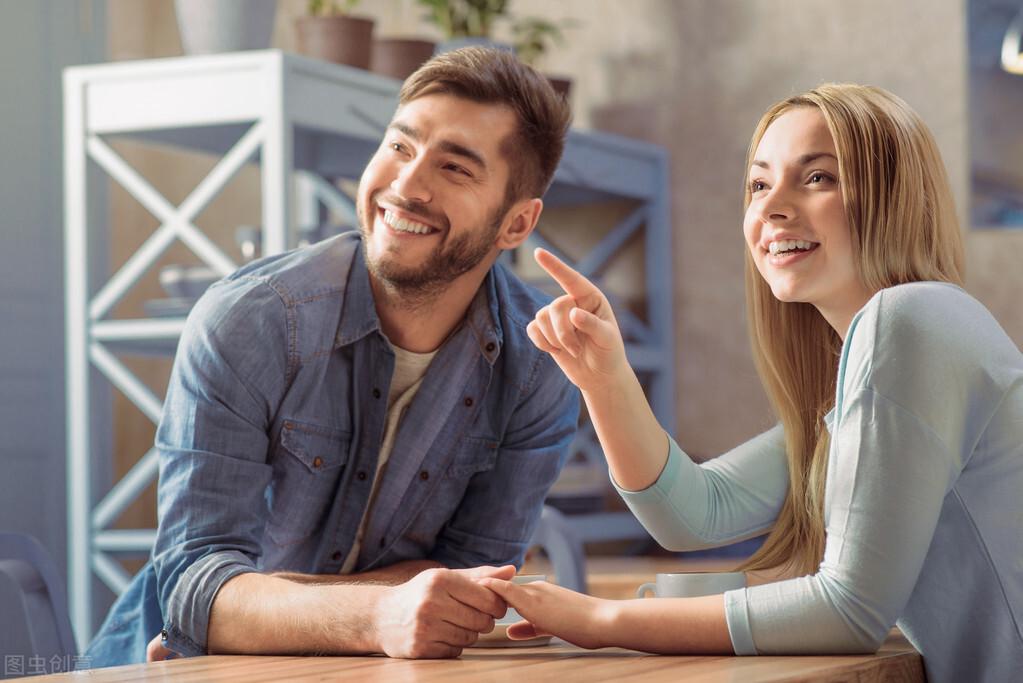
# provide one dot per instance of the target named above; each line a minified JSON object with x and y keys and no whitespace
{"x":449,"y":260}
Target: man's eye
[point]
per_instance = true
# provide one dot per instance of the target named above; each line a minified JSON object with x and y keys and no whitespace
{"x":397,"y":147}
{"x":458,"y":169}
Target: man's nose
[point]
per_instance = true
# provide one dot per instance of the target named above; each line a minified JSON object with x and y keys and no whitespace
{"x":412,"y":182}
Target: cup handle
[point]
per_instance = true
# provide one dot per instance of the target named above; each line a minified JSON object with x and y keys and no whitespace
{"x":652,"y":587}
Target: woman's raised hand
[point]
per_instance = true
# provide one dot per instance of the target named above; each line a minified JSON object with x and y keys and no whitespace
{"x":578,"y":329}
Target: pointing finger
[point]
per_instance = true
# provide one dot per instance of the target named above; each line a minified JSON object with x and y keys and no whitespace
{"x":575,"y":285}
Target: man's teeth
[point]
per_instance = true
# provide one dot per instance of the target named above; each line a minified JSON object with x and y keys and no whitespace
{"x":403,"y":225}
{"x":782,"y":246}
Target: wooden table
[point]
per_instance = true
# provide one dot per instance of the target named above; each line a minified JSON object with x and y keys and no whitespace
{"x":557,"y":662}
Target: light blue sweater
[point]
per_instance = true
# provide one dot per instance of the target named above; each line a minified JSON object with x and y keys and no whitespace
{"x":923,"y":503}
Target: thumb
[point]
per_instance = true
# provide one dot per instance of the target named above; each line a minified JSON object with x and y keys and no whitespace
{"x":504,"y":588}
{"x":506,"y":572}
{"x":602,"y":332}
{"x":523,"y":630}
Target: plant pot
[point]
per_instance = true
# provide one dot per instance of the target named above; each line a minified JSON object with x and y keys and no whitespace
{"x":399,"y":57}
{"x":470,"y":41}
{"x":209,"y":26}
{"x":339,"y":39}
{"x":562,"y":86}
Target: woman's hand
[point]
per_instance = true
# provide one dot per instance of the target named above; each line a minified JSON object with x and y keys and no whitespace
{"x":552,"y":610}
{"x":578,"y":329}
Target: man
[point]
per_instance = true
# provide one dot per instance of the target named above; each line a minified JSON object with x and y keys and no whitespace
{"x":354,"y":430}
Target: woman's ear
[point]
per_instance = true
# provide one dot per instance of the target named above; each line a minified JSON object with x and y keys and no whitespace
{"x":519,"y":222}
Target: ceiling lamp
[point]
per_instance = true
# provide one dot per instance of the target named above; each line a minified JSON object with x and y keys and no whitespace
{"x":1012,"y":46}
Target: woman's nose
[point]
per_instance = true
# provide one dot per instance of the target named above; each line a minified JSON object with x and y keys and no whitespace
{"x":777,"y":206}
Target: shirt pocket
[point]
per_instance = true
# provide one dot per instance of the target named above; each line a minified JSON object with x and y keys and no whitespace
{"x":307,"y":468}
{"x":474,"y":455}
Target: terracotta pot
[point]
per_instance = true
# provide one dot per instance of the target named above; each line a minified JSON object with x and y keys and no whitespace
{"x":399,"y":57}
{"x":562,"y":86}
{"x":340,"y":39}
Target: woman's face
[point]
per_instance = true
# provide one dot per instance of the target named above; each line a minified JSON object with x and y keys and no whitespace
{"x":796,"y":226}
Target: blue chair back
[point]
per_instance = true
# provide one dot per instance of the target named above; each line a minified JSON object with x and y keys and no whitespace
{"x":25,"y":563}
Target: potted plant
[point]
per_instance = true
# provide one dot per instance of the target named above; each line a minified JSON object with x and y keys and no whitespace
{"x":533,"y":38}
{"x":465,"y":22}
{"x":397,"y":57}
{"x":209,"y":26}
{"x":330,"y":33}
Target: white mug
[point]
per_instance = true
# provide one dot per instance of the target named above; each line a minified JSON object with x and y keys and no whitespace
{"x":692,"y":584}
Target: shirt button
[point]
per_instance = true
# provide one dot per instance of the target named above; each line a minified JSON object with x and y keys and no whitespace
{"x":336,"y":556}
{"x":490,"y":347}
{"x":361,"y":476}
{"x":288,"y":425}
{"x":317,"y":462}
{"x":376,"y":393}
{"x":424,"y":475}
{"x":468,"y":401}
{"x":163,"y":634}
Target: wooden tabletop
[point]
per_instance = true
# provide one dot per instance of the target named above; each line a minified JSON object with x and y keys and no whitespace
{"x":557,"y":662}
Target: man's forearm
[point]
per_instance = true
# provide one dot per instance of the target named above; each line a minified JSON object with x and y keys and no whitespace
{"x":385,"y":576}
{"x":286,"y":613}
{"x":259,"y":614}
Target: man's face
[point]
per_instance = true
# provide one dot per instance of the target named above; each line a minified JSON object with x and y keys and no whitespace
{"x":431,"y":202}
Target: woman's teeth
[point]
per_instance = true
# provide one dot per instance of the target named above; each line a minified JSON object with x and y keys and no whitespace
{"x":403,"y":225}
{"x":782,"y":246}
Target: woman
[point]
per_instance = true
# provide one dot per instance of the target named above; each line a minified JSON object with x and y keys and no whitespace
{"x":893,"y":487}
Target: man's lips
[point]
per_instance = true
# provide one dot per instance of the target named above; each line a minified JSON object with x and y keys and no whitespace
{"x":404,"y":223}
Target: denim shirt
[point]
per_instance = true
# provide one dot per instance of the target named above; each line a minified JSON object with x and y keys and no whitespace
{"x":273,"y":423}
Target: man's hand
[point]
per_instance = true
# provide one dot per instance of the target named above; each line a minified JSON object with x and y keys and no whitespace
{"x":438,"y":612}
{"x":156,"y":652}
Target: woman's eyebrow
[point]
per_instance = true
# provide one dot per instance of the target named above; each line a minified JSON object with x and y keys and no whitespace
{"x":801,"y":161}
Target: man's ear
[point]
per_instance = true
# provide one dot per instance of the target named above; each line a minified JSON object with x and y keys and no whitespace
{"x":519,"y":222}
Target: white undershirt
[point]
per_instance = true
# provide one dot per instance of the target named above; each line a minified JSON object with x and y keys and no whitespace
{"x":409,"y":370}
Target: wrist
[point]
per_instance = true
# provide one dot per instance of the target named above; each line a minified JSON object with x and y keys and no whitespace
{"x":351,"y":616}
{"x":606,"y":617}
{"x":376,"y":610}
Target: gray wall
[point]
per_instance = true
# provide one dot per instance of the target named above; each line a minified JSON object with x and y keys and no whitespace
{"x":37,"y":39}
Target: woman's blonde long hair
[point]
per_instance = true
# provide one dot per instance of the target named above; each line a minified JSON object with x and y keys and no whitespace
{"x":904,"y":229}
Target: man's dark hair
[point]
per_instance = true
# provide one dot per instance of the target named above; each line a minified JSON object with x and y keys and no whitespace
{"x":492,"y":76}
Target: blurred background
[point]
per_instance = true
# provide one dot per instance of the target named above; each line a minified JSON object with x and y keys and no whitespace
{"x":690,"y":76}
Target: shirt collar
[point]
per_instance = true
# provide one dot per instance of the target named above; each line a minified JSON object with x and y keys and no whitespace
{"x":359,"y":314}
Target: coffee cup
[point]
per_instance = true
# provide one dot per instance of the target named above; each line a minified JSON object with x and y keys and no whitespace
{"x":692,"y":584}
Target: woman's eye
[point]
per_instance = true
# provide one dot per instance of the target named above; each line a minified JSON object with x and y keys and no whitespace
{"x":757,"y":186}
{"x":397,"y":147}
{"x":819,"y":177}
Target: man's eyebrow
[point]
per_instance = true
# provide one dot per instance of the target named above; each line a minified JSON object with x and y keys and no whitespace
{"x":463,"y":151}
{"x":801,"y":161}
{"x":445,"y":145}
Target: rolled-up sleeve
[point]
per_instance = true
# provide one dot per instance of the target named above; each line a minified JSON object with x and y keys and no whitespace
{"x":213,"y":445}
{"x":501,"y":507}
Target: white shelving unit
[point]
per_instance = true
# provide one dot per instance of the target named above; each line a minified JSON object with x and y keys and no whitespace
{"x":304,"y":122}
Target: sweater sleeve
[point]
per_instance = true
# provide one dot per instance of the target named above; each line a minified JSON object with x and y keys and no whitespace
{"x":730,"y":498}
{"x":888,"y":477}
